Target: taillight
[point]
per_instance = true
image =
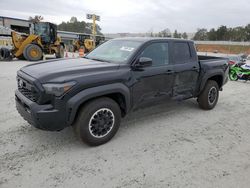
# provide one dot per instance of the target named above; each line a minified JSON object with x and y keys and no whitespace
{"x":231,"y":63}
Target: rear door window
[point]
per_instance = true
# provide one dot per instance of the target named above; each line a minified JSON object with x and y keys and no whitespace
{"x":182,"y":52}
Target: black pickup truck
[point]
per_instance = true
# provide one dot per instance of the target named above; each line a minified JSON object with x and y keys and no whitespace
{"x":93,"y":93}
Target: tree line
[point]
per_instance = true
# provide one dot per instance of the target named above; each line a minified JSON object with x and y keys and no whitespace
{"x":78,"y":26}
{"x":224,"y":33}
{"x":167,"y":33}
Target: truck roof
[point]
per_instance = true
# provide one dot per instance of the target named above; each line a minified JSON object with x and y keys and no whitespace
{"x":147,"y":39}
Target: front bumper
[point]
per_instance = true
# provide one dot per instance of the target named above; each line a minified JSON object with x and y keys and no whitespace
{"x":43,"y":117}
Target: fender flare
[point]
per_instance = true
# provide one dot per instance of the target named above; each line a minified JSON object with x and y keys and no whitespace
{"x":210,"y":75}
{"x":76,"y":101}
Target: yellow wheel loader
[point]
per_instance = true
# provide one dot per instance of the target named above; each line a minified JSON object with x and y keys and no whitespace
{"x":44,"y":41}
{"x":84,"y":42}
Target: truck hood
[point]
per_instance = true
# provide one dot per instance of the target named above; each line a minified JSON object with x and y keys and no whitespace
{"x":65,"y":69}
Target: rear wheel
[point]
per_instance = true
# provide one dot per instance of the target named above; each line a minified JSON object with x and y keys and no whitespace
{"x":233,"y":76}
{"x":71,"y":48}
{"x":60,"y":52}
{"x":33,"y":52}
{"x":98,"y":121}
{"x":209,"y":96}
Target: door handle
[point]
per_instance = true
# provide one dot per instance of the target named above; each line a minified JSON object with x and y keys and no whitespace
{"x":169,"y":72}
{"x":195,"y":68}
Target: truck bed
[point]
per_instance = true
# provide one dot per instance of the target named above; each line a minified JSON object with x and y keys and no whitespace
{"x":211,"y":62}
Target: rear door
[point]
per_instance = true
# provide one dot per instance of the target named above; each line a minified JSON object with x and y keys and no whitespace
{"x":186,"y":68}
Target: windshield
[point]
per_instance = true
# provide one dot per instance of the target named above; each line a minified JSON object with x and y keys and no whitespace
{"x":234,"y":58}
{"x":116,"y":51}
{"x":40,"y":29}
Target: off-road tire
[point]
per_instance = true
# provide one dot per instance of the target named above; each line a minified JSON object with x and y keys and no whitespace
{"x":71,"y":48}
{"x":85,"y":117}
{"x":4,"y":54}
{"x":204,"y":100}
{"x":24,"y":55}
{"x":29,"y":55}
{"x":60,"y":53}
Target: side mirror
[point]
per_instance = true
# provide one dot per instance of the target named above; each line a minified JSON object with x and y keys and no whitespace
{"x":143,"y":62}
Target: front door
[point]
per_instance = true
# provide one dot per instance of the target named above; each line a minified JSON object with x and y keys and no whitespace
{"x":154,"y":82}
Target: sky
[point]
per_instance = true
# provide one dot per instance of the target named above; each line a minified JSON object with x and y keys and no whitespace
{"x":135,"y":16}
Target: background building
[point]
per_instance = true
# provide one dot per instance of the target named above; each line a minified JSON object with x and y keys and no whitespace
{"x":20,"y":25}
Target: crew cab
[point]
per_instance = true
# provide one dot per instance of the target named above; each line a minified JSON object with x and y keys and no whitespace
{"x":93,"y":93}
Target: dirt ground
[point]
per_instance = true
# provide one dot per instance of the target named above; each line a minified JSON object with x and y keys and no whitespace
{"x":169,"y":145}
{"x":227,"y":49}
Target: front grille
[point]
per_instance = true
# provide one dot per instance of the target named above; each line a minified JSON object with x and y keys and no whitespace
{"x":27,"y":93}
{"x":27,"y":90}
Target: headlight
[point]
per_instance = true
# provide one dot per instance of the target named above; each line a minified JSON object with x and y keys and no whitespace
{"x":58,"y":89}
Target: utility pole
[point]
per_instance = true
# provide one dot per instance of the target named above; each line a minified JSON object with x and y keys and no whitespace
{"x":94,"y":27}
{"x":94,"y":18}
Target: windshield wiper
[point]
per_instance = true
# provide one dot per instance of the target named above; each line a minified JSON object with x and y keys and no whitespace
{"x":101,"y":60}
{"x":96,"y":59}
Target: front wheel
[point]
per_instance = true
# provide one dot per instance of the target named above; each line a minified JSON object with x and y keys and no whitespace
{"x":98,"y":121}
{"x":209,"y":96}
{"x":33,"y":52}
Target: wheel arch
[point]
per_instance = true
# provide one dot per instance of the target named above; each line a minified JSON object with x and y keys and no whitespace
{"x":217,"y":76}
{"x":118,"y":92}
{"x":218,"y":79}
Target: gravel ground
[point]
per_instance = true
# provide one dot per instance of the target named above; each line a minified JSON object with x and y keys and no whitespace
{"x":169,"y":145}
